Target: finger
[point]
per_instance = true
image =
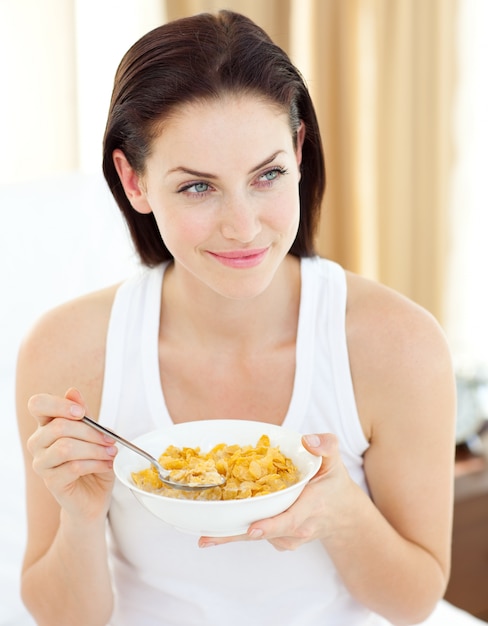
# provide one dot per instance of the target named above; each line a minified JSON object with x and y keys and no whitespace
{"x":62,"y":429}
{"x":80,"y":457}
{"x":44,"y":407}
{"x":55,"y":478}
{"x":208,"y":542}
{"x":325,"y":445}
{"x":288,"y":524}
{"x":67,"y":450}
{"x":79,"y":405}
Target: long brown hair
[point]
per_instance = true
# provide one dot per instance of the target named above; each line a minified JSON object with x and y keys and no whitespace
{"x":203,"y":57}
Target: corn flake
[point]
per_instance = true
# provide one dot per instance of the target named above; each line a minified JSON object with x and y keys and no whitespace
{"x":249,"y":471}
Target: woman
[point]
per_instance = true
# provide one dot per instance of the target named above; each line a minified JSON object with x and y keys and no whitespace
{"x":213,"y":153}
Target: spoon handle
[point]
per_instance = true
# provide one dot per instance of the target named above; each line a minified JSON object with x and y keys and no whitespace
{"x":124,"y":442}
{"x":163,"y":473}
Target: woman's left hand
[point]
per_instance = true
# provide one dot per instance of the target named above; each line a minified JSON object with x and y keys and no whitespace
{"x":312,"y":515}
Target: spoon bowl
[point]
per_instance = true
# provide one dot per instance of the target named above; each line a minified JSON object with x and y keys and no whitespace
{"x":164,"y":474}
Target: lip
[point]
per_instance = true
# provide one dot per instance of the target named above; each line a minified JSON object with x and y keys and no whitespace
{"x":240,"y":258}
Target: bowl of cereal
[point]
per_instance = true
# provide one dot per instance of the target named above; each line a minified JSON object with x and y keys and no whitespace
{"x":265,"y":467}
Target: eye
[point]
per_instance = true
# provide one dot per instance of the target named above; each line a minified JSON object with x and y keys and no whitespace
{"x":271,"y":175}
{"x":196,"y":188}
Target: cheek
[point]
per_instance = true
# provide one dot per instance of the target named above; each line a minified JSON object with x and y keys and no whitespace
{"x":182,"y":228}
{"x":286,"y":212}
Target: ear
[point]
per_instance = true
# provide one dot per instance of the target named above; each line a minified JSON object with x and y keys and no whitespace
{"x":131,"y":182}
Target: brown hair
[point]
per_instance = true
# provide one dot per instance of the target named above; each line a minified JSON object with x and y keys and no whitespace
{"x":203,"y":57}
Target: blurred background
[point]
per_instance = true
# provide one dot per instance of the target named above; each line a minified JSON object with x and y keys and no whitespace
{"x":401,"y":93}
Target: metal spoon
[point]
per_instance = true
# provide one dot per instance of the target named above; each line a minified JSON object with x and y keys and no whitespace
{"x":162,"y":472}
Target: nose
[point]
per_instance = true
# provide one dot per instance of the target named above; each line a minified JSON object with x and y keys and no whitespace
{"x":240,"y":220}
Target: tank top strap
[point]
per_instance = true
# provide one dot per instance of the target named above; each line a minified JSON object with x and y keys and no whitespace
{"x":305,"y":347}
{"x":134,"y":321}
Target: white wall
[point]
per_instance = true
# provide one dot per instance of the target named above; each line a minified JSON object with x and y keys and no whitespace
{"x":37,"y":107}
{"x":59,"y":238}
{"x":467,"y":296}
{"x":57,"y":63}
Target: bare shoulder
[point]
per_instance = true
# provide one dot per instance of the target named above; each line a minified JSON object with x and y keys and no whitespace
{"x":66,"y":347}
{"x":398,"y":351}
{"x":390,"y":315}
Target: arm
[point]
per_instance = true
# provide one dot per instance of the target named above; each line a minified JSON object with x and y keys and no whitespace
{"x":405,"y":391}
{"x":391,"y":550}
{"x":65,"y":576}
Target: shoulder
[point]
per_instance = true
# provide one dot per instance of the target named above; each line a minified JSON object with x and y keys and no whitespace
{"x":66,"y":347}
{"x":372,"y":306}
{"x":399,"y":356}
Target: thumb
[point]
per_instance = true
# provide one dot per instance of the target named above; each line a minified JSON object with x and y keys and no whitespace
{"x":75,"y":396}
{"x":325,"y":445}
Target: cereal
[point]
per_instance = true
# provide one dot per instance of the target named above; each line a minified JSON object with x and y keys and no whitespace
{"x":249,"y":471}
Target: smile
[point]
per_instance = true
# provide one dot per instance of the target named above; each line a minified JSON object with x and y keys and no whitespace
{"x":240,"y":258}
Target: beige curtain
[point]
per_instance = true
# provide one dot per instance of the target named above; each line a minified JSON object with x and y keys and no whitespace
{"x":272,"y":15}
{"x":381,"y":73}
{"x":384,"y":100}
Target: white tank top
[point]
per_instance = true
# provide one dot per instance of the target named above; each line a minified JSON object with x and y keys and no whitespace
{"x":161,"y":577}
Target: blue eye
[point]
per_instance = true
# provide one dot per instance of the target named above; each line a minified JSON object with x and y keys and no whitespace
{"x":271,"y":175}
{"x":196,"y":188}
{"x":199,"y":187}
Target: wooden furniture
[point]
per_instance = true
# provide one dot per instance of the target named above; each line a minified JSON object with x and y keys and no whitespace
{"x":468,"y":586}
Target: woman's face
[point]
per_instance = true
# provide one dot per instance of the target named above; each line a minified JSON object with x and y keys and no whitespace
{"x":222,"y":182}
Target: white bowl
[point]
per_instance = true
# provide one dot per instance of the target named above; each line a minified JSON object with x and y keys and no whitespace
{"x":222,"y":518}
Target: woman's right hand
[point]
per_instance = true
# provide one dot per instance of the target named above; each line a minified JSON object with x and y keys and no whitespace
{"x":74,"y":460}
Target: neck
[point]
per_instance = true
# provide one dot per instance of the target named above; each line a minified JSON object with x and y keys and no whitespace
{"x":192,"y":312}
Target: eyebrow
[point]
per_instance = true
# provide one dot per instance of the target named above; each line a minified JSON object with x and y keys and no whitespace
{"x":197,"y":174}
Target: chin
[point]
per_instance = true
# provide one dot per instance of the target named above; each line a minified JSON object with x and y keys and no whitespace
{"x":242,"y":292}
{"x":242,"y":284}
